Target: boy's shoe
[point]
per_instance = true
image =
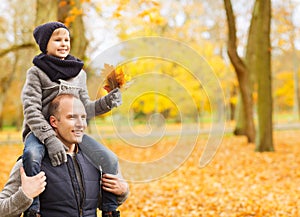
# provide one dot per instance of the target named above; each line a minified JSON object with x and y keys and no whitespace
{"x":111,"y":214}
{"x":32,"y":213}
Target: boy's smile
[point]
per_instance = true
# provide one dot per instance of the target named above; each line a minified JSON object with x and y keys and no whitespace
{"x":59,"y":43}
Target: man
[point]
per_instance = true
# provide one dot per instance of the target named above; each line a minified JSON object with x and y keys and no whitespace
{"x":72,"y":188}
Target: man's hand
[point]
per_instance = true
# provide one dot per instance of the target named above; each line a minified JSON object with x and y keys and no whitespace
{"x":114,"y":184}
{"x":32,"y":186}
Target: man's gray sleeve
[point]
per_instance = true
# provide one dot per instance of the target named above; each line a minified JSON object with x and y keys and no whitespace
{"x":121,"y":198}
{"x":13,"y":201}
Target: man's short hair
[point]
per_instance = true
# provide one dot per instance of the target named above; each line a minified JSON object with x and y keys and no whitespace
{"x":55,"y":103}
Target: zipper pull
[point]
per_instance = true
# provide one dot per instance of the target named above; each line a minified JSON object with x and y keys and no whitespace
{"x":100,"y":169}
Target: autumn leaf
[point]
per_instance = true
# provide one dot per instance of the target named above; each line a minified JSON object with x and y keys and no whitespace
{"x":76,"y":12}
{"x":115,"y":78}
{"x":62,"y":3}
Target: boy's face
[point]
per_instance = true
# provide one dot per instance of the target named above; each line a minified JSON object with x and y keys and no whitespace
{"x":59,"y":43}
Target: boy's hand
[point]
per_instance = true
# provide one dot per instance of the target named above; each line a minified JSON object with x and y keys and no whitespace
{"x":32,"y":186}
{"x":111,"y":100}
{"x":114,"y":98}
{"x":56,"y":151}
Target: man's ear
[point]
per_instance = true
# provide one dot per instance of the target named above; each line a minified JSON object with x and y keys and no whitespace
{"x":53,"y":121}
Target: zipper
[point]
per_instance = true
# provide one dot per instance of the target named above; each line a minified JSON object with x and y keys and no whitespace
{"x":79,"y":204}
{"x":83,"y":186}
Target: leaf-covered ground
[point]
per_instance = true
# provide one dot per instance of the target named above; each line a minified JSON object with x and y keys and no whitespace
{"x":238,"y":182}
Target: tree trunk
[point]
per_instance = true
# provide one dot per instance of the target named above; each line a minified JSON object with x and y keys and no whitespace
{"x":263,"y":69}
{"x":240,"y":127}
{"x":45,"y":11}
{"x":232,"y":106}
{"x":5,"y":84}
{"x":241,"y":72}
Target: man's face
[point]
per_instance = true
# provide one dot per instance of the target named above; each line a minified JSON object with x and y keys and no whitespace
{"x":70,"y":121}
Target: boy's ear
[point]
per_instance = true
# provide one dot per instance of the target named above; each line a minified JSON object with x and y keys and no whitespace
{"x":52,"y":121}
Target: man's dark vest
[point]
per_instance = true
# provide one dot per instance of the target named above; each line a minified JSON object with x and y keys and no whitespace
{"x":62,"y":195}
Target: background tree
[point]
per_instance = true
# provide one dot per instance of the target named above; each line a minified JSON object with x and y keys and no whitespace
{"x":13,"y":59}
{"x":46,"y":11}
{"x":243,"y":77}
{"x":259,"y":64}
{"x":264,"y":141}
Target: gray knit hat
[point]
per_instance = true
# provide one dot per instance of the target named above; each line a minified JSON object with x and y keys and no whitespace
{"x":42,"y":33}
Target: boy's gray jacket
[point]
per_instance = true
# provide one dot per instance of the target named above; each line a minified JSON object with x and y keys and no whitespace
{"x":39,"y":91}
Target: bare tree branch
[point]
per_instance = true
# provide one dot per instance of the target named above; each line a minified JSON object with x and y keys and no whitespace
{"x":15,"y":47}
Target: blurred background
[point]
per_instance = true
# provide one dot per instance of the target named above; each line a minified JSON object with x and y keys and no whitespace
{"x":259,"y":77}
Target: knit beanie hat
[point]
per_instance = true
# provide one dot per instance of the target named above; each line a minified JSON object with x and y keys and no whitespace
{"x":42,"y":33}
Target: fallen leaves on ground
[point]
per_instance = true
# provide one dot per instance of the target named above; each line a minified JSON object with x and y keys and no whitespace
{"x":8,"y":157}
{"x":238,"y":182}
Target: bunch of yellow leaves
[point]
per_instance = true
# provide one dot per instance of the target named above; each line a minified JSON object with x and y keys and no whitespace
{"x":115,"y":78}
